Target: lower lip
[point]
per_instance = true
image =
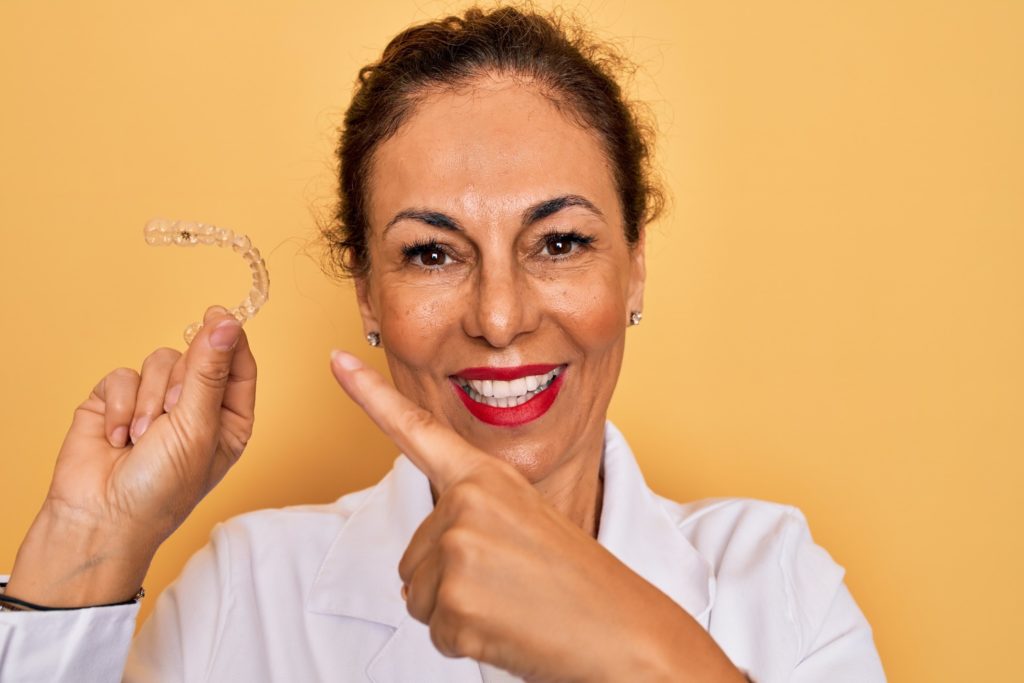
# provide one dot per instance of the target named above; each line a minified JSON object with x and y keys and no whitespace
{"x":512,"y":417}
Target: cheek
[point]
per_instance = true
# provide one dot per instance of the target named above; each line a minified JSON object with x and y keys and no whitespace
{"x":414,"y":324}
{"x":592,"y":313}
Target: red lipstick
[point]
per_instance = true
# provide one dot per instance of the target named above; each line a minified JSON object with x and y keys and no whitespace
{"x":517,"y":415}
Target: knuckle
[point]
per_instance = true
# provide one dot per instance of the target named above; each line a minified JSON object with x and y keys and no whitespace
{"x":466,"y":496}
{"x":214,"y":374}
{"x":450,"y":602}
{"x":119,"y":407}
{"x":458,"y":548}
{"x":467,"y":642}
{"x":118,"y":399}
{"x":163,"y":354}
{"x":455,"y":638}
{"x":124,"y":373}
{"x":150,"y":404}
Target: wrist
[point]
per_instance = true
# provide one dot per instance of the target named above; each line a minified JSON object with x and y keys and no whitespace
{"x":64,"y":562}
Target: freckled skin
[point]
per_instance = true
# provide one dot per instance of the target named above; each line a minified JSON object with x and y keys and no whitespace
{"x":481,"y":156}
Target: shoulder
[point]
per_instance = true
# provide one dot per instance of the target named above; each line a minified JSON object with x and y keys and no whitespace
{"x":766,"y":564}
{"x":722,"y":527}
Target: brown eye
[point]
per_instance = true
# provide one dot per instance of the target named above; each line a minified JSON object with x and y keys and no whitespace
{"x":427,"y":255}
{"x":432,"y":257}
{"x":558,"y":245}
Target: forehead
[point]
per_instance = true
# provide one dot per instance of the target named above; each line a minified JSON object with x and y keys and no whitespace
{"x":485,"y":152}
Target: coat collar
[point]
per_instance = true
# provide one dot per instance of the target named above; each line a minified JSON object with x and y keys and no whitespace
{"x":366,"y":552}
{"x":637,"y":529}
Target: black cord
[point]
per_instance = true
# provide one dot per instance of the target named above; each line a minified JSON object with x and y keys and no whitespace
{"x":42,"y":608}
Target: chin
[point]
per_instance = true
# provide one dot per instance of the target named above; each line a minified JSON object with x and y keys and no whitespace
{"x":534,"y":458}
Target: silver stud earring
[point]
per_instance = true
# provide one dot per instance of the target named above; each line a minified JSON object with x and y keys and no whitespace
{"x":635,"y":317}
{"x":373,"y":339}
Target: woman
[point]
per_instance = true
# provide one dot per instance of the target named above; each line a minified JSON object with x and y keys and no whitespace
{"x":494,"y":196}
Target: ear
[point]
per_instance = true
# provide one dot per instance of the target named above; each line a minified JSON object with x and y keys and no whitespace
{"x":637,"y":274}
{"x":366,"y":304}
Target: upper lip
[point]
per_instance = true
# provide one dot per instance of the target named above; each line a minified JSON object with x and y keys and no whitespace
{"x":506,"y":373}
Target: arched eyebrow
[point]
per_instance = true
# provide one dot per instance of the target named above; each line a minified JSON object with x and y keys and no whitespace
{"x":531,"y":215}
{"x":549,"y":207}
{"x":432,"y":218}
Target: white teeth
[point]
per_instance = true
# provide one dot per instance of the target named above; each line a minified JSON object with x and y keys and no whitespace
{"x":518,"y":387}
{"x":502,"y":394}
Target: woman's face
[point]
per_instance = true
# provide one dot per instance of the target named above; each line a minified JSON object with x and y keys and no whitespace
{"x":496,"y":243}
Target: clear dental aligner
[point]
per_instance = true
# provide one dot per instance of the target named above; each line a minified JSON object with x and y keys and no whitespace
{"x":161,"y":231}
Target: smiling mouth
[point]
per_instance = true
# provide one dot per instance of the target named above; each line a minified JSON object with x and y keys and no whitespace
{"x":509,"y":397}
{"x":498,"y":393}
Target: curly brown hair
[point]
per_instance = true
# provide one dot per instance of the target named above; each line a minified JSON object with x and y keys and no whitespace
{"x":577,"y":72}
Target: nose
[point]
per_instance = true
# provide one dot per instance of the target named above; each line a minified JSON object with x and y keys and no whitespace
{"x":503,"y":306}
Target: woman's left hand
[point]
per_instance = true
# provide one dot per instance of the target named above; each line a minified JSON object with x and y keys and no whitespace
{"x":499,"y":575}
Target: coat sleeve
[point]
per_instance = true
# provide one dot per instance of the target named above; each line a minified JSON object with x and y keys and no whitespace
{"x":176,"y":643}
{"x":836,"y":642}
{"x":66,"y":645}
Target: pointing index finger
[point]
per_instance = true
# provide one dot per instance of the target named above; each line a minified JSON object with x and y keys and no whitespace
{"x":436,"y":450}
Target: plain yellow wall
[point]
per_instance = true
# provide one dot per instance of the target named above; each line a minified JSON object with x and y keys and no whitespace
{"x":835,"y":311}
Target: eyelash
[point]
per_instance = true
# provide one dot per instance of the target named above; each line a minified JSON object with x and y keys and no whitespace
{"x":581,"y":241}
{"x":413,"y":250}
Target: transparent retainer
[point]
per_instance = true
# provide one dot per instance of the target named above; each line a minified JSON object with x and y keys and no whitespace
{"x":162,"y":231}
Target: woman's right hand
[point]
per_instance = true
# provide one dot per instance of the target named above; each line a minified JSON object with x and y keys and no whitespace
{"x":112,"y":502}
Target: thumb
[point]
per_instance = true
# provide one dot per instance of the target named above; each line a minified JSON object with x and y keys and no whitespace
{"x":207,"y":369}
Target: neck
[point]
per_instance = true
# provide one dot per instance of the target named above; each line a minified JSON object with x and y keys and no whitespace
{"x":577,"y":491}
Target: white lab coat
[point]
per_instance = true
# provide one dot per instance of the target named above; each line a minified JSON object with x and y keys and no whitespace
{"x":312,"y":593}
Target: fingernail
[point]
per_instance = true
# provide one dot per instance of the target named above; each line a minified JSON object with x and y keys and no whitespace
{"x":172,"y":397}
{"x":405,"y":592}
{"x":346,"y":361}
{"x":120,"y":437}
{"x":225,"y":335}
{"x":139,"y":427}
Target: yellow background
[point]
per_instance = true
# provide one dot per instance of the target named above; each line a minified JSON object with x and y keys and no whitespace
{"x":835,"y":311}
